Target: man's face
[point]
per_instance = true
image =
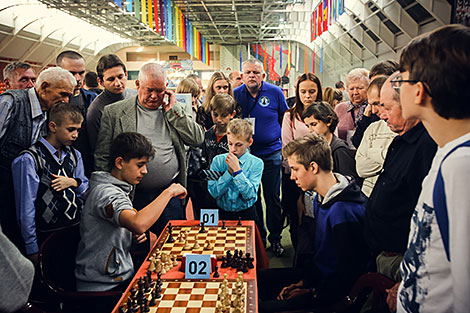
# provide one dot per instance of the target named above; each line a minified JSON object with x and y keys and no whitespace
{"x":357,"y":90}
{"x":114,"y":80}
{"x":50,"y":94}
{"x":409,"y":102}
{"x":151,"y":92}
{"x":24,"y":78}
{"x":134,"y":170}
{"x":199,"y":84}
{"x":238,"y":145}
{"x":253,"y":76}
{"x":308,"y":91}
{"x":77,"y":68}
{"x":391,"y":112}
{"x":67,"y":132}
{"x":304,"y":178}
{"x":236,"y":79}
{"x":220,"y":86}
{"x":373,"y":97}
{"x":221,"y":119}
{"x":316,"y":126}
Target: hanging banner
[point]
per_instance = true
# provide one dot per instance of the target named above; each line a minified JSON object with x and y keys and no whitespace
{"x":288,"y":57}
{"x":321,"y":60}
{"x":280,"y":58}
{"x":143,"y":8}
{"x":265,"y":57}
{"x":305,"y":59}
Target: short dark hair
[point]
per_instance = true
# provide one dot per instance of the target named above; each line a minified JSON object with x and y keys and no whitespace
{"x":310,"y":148}
{"x":91,"y":79}
{"x":130,"y":146}
{"x":61,"y":111}
{"x":378,"y":82}
{"x":322,"y":111}
{"x":108,"y":61}
{"x":339,"y":84}
{"x":441,"y":61}
{"x":69,"y":54}
{"x":387,"y":68}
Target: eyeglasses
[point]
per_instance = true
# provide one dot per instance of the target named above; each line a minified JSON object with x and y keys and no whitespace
{"x":397,"y":82}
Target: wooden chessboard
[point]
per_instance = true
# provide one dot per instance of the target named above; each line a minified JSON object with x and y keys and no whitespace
{"x":196,"y":296}
{"x":230,"y":238}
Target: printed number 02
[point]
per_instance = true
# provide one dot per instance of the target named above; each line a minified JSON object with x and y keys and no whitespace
{"x":193,"y":266}
{"x":205,"y":218}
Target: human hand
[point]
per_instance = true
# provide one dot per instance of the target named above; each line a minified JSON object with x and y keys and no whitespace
{"x":171,"y":100}
{"x":140,"y":238}
{"x":285,"y":292}
{"x":34,"y":258}
{"x":61,"y":182}
{"x":392,"y":297}
{"x":368,"y":110}
{"x":177,"y":191}
{"x":232,"y":163}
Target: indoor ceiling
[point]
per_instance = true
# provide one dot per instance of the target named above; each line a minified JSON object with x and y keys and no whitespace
{"x":219,"y":21}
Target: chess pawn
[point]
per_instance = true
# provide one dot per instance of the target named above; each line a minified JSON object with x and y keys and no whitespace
{"x":196,"y":244}
{"x":186,"y":246}
{"x":175,"y":261}
{"x":152,"y":264}
{"x":158,"y":266}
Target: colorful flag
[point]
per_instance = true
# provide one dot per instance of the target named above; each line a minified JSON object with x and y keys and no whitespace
{"x":143,"y":8}
{"x":256,"y":51}
{"x":313,"y":61}
{"x":240,"y":59}
{"x":265,"y":58}
{"x":325,"y":16}
{"x":321,"y":59}
{"x":129,"y":6}
{"x":288,"y":57}
{"x":137,"y":9}
{"x":312,"y":27}
{"x":320,"y":19}
{"x":306,"y":60}
{"x":150,"y":13}
{"x":280,"y":58}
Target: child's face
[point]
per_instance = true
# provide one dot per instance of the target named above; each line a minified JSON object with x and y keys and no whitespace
{"x":238,"y":145}
{"x":316,"y":126}
{"x":221,"y":119}
{"x":304,"y":178}
{"x":67,"y":132}
{"x":133,"y":171}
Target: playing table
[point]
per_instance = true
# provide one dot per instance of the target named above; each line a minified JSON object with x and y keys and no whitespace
{"x":176,"y":289}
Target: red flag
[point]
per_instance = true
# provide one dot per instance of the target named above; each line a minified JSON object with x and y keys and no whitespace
{"x":305,"y":60}
{"x":320,"y":19}
{"x":313,"y":70}
{"x":156,"y":17}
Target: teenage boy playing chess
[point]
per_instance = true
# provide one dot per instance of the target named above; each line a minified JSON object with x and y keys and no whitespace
{"x":109,"y":221}
{"x":236,"y":191}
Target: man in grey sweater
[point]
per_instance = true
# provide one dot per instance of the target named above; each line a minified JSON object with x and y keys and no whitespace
{"x":165,"y":123}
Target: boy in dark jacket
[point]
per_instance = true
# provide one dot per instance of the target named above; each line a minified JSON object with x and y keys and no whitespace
{"x":338,"y":255}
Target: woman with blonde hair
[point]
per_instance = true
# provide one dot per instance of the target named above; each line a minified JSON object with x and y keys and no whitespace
{"x":219,"y":83}
{"x":188,"y":85}
{"x":332,"y":96}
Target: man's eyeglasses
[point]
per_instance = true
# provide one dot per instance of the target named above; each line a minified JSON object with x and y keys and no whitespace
{"x":397,"y":82}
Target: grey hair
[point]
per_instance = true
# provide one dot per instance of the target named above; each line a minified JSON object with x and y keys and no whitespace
{"x":396,"y":92}
{"x":10,"y":70}
{"x":360,"y":74}
{"x":151,"y":70}
{"x":54,"y":75}
{"x":255,"y":62}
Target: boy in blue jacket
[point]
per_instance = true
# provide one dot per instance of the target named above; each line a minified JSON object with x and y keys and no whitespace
{"x":338,"y":254}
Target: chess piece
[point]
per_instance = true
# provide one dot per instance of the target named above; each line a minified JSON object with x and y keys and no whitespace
{"x":153,"y":300}
{"x":152,"y":264}
{"x":186,"y":246}
{"x":239,"y":221}
{"x":196,"y":244}
{"x":170,"y":234}
{"x":216,"y":272}
{"x":224,"y":262}
{"x":158,"y":266}
{"x":223,"y":225}
{"x":202,"y":230}
{"x":249,"y":260}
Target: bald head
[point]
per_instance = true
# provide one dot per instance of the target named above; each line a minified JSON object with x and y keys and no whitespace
{"x":235,"y":78}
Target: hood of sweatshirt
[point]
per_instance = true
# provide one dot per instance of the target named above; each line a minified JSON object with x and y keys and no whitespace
{"x":345,"y":189}
{"x":105,"y":178}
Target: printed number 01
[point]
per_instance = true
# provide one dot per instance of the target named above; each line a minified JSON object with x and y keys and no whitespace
{"x":206,"y":217}
{"x":193,"y":266}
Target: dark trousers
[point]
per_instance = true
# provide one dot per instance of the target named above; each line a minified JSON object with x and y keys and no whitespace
{"x":245,"y":215}
{"x":200,"y":197}
{"x":271,"y":182}
{"x":270,"y":283}
{"x":290,"y":195}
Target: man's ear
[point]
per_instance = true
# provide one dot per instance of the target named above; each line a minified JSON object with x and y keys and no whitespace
{"x":314,"y":167}
{"x":7,"y":83}
{"x":421,"y":96}
{"x":137,"y":84}
{"x":100,"y":81}
{"x":44,"y":85}
{"x":264,"y":76}
{"x":250,"y":142}
{"x":119,"y":163}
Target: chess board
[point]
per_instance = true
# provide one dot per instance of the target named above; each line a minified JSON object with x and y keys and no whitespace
{"x":196,"y":296}
{"x":230,"y":238}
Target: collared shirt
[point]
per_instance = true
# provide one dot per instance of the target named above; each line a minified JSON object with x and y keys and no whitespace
{"x":267,"y":108}
{"x":395,"y":194}
{"x":39,"y":117}
{"x":237,"y":193}
{"x":26,"y":184}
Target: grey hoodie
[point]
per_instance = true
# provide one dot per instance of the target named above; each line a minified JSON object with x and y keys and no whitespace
{"x":103,"y":258}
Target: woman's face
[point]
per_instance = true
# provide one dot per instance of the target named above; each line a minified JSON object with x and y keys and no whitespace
{"x":308,"y":91}
{"x":220,"y":86}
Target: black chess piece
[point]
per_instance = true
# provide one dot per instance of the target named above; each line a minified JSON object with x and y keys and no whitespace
{"x":153,"y":301}
{"x":133,"y":293}
{"x":202,"y":230}
{"x":122,"y":309}
{"x":249,"y":260}
{"x":170,"y":234}
{"x":216,"y":272}
{"x":244,"y":266}
{"x":224,"y":262}
{"x":239,"y":221}
{"x":223,"y":225}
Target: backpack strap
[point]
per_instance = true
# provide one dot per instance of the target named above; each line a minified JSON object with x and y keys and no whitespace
{"x":440,"y":204}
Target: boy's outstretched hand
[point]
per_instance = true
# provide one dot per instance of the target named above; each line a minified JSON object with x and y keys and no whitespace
{"x":61,"y":182}
{"x":177,"y":191}
{"x":140,"y":238}
{"x":233,"y":163}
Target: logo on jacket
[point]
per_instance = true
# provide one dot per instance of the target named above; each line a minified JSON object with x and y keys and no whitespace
{"x":264,"y":101}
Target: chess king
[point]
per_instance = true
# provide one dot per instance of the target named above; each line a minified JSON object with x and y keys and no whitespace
{"x":109,"y":222}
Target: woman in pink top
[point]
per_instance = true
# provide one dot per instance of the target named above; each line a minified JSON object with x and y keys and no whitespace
{"x":308,"y":90}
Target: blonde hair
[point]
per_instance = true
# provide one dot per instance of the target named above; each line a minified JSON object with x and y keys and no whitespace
{"x":188,"y":85}
{"x":210,"y":92}
{"x":330,"y":94}
{"x":240,"y":128}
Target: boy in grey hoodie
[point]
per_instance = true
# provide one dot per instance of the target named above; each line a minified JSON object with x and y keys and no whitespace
{"x":109,"y":222}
